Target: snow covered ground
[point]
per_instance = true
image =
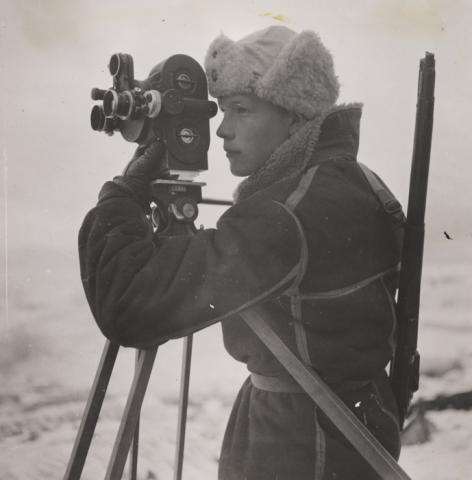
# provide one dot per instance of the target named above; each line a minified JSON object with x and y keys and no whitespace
{"x":50,"y":348}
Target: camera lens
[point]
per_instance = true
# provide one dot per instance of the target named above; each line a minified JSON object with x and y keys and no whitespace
{"x":97,"y":118}
{"x":110,"y":103}
{"x":153,"y":102}
{"x":115,"y":64}
{"x":125,"y":105}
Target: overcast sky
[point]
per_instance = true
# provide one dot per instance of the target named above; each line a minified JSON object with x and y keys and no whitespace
{"x":53,"y":52}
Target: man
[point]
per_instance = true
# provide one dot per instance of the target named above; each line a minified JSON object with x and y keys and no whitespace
{"x":310,"y":238}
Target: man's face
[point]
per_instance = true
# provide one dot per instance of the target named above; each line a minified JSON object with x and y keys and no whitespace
{"x":251,"y":129}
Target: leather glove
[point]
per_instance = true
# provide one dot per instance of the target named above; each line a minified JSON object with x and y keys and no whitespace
{"x":146,"y":165}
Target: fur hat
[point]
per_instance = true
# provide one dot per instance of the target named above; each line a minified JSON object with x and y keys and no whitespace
{"x":292,"y":70}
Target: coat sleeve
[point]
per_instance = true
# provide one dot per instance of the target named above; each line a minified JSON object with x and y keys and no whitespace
{"x":144,"y":289}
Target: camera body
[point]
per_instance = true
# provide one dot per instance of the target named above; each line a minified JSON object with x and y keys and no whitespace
{"x":171,"y":104}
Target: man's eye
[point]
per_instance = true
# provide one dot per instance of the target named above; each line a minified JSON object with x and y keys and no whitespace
{"x":241,"y":110}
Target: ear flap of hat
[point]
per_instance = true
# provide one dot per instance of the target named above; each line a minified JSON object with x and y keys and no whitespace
{"x":302,"y":78}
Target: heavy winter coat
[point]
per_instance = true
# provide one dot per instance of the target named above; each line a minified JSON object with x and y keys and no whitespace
{"x":307,"y":237}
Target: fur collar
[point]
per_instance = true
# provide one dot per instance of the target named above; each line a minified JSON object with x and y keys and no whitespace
{"x":291,"y":157}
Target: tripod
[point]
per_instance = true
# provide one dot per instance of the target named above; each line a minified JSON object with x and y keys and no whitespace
{"x":175,"y":210}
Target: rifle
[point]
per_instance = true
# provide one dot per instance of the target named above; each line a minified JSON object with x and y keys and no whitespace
{"x":404,"y":371}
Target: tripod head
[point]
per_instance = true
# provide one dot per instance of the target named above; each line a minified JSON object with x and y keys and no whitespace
{"x":175,"y":206}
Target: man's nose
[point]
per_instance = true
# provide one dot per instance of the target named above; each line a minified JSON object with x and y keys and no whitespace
{"x":225,"y":130}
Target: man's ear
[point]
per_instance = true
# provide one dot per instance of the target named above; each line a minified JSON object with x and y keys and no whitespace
{"x":296,"y":122}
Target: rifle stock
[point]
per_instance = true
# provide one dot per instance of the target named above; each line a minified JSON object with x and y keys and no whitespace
{"x":404,"y":373}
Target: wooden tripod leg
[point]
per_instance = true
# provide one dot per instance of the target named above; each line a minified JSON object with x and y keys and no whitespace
{"x":133,"y":471}
{"x":92,"y":411}
{"x":183,"y":404}
{"x":130,"y":415}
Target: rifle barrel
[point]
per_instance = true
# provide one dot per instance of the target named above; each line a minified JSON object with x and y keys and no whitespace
{"x":404,"y":372}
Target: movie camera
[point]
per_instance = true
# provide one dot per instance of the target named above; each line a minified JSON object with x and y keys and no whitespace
{"x":170,"y":104}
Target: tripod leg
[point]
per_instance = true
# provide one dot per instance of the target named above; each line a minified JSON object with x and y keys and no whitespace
{"x":133,"y":474}
{"x":92,"y":411}
{"x":183,"y":404}
{"x":131,"y":414}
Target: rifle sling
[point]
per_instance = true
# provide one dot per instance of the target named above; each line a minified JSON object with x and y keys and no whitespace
{"x":386,"y":198}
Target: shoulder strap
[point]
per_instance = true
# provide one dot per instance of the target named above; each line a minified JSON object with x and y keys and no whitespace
{"x":386,"y":198}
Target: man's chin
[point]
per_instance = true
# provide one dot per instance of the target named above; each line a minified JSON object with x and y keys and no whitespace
{"x":237,"y":171}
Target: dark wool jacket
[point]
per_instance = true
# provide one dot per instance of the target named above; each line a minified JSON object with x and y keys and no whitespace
{"x":307,"y":236}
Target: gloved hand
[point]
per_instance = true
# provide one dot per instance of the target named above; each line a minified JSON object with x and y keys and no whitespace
{"x":146,"y":162}
{"x":145,"y":166}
